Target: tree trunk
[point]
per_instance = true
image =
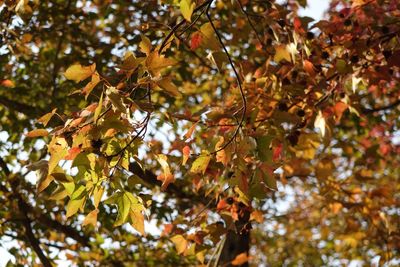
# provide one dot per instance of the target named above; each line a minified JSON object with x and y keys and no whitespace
{"x":237,"y":242}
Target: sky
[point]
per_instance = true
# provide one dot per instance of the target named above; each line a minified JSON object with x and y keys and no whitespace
{"x":315,"y":9}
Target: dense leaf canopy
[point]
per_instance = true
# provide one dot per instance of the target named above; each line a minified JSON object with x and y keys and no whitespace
{"x":199,"y":132}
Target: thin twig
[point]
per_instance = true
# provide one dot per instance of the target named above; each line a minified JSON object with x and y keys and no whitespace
{"x":181,"y":23}
{"x":250,"y":22}
{"x":244,"y":106}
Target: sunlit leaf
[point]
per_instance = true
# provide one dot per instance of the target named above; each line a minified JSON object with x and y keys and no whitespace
{"x":37,"y":133}
{"x":187,"y":7}
{"x":79,"y":73}
{"x":180,"y":243}
{"x":201,"y":163}
{"x":91,"y":218}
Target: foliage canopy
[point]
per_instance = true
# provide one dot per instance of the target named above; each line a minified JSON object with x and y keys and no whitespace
{"x":208,"y":132}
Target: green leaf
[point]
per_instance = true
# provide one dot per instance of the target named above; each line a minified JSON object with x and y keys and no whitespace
{"x":74,"y":205}
{"x":201,"y":163}
{"x":124,"y":205}
{"x":98,"y":108}
{"x":209,"y":41}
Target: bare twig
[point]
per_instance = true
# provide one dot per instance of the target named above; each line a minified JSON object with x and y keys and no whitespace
{"x":250,"y":22}
{"x":181,"y":23}
{"x":244,"y":105}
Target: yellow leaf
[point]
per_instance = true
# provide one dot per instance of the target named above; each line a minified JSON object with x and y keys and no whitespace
{"x":201,"y":163}
{"x":98,"y":108}
{"x":97,"y":195}
{"x":47,"y":117}
{"x":130,"y":62}
{"x":37,"y":133}
{"x":223,"y":155}
{"x":137,"y":219}
{"x":155,"y":63}
{"x":180,"y":243}
{"x":74,"y":205}
{"x":282,"y":53}
{"x":91,"y":218}
{"x":79,"y":73}
{"x":145,"y":45}
{"x":187,"y":8}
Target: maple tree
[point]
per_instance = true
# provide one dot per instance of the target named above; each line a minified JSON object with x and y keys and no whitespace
{"x":202,"y":118}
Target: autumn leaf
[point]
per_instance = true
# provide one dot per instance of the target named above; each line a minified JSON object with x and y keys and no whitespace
{"x":309,"y":67}
{"x":72,"y":153}
{"x":169,"y":87}
{"x":180,"y":243}
{"x":240,"y":259}
{"x":156,"y":63}
{"x":37,"y":133}
{"x":137,"y":221}
{"x":223,"y":155}
{"x":166,"y":177}
{"x":91,"y":218}
{"x":200,"y":165}
{"x":187,"y":7}
{"x":339,"y":108}
{"x":186,"y":154}
{"x":7,"y":83}
{"x":91,"y":85}
{"x":79,"y":73}
{"x":281,"y":53}
{"x":47,"y":117}
{"x":189,"y":133}
{"x":277,"y":152}
{"x":320,"y":123}
{"x":195,"y":41}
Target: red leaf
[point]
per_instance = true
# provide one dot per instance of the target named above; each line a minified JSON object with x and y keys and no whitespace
{"x":195,"y":41}
{"x":276,"y":155}
{"x":297,"y":25}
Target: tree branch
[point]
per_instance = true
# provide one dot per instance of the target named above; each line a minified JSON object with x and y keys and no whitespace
{"x":393,"y":105}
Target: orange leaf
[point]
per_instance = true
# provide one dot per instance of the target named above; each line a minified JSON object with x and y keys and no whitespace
{"x":339,"y":108}
{"x":189,"y":133}
{"x":72,"y":153}
{"x":222,"y":204}
{"x":7,"y":83}
{"x":37,"y":133}
{"x":309,"y":67}
{"x":240,"y":259}
{"x":186,"y":154}
{"x":91,"y":218}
